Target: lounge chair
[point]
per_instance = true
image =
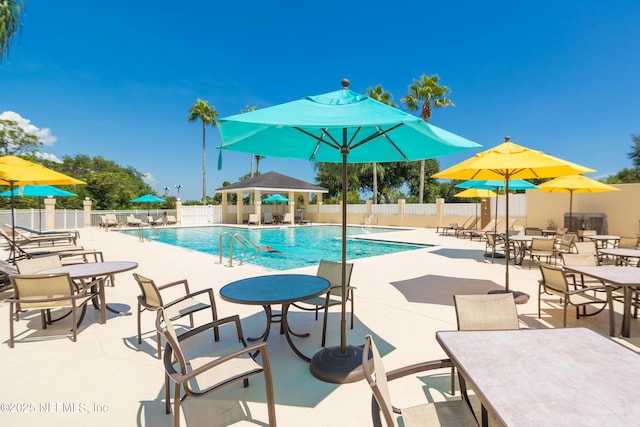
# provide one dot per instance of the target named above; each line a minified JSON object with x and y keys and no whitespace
{"x":287,"y":218}
{"x":332,"y":271}
{"x":472,"y":226}
{"x":159,"y":221}
{"x":33,"y":232}
{"x":111,"y":220}
{"x":451,"y":412}
{"x":491,"y":227}
{"x":452,"y":226}
{"x":171,"y":220}
{"x":214,"y":366}
{"x":268,"y":218}
{"x":46,"y":292}
{"x":132,"y":221}
{"x":151,"y":299}
{"x":40,"y":240}
{"x":253,"y":219}
{"x":17,"y":251}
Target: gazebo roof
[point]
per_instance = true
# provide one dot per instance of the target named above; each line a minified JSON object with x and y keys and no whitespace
{"x":272,"y":182}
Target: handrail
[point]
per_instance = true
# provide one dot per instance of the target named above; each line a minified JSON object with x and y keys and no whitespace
{"x":247,"y":245}
{"x":154,"y":233}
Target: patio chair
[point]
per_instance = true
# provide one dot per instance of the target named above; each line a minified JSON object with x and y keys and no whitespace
{"x":33,"y":232}
{"x":532,"y":231}
{"x":132,"y":221}
{"x":472,"y":226}
{"x":451,"y":413}
{"x":205,"y":370}
{"x":46,"y":292}
{"x":6,"y":270}
{"x":268,"y":218}
{"x":17,"y":251}
{"x":564,"y":245}
{"x":554,"y":282}
{"x":539,"y":248}
{"x":332,"y":271}
{"x":495,"y":246}
{"x":482,"y":313}
{"x":111,"y":220}
{"x":578,"y":260}
{"x":253,"y":219}
{"x":34,"y":265}
{"x":171,"y":220}
{"x":286,"y":219}
{"x":444,"y":229}
{"x":491,"y":227}
{"x":628,"y":242}
{"x":586,"y":248}
{"x":23,"y":239}
{"x":151,"y":299}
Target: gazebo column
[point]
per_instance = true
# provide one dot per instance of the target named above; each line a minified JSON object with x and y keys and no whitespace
{"x":257,"y":204}
{"x":292,"y":206}
{"x":240,"y":208}
{"x":225,"y":207}
{"x":319,"y":208}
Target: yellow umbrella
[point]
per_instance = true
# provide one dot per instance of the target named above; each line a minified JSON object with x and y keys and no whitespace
{"x":511,"y":161}
{"x":476,"y":193}
{"x":575,"y":184}
{"x":16,"y":171}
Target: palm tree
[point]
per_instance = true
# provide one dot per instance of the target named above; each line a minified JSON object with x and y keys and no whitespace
{"x":432,"y":95}
{"x":10,"y":11}
{"x":379,"y":94}
{"x":208,"y":115}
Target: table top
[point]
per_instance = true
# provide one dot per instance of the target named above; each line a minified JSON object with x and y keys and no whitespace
{"x":602,"y":237}
{"x":527,"y":238}
{"x":555,"y":377}
{"x":621,"y":276}
{"x":92,"y":269}
{"x":274,"y":289}
{"x":632,"y":253}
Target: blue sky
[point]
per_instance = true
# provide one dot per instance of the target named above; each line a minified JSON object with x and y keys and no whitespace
{"x":116,"y":79}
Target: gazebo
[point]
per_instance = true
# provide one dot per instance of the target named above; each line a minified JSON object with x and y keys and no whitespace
{"x":267,"y":183}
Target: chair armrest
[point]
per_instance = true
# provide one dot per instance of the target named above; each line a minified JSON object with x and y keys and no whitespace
{"x":418,"y":367}
{"x":177,"y":282}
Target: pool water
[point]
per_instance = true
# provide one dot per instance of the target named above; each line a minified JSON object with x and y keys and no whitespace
{"x":298,"y":246}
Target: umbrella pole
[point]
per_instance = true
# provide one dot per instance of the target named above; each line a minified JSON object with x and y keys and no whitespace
{"x":570,"y":209}
{"x":12,"y":255}
{"x":340,"y":364}
{"x":506,"y":198}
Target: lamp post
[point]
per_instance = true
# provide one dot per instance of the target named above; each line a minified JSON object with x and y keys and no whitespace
{"x":166,"y":190}
{"x":178,"y":186}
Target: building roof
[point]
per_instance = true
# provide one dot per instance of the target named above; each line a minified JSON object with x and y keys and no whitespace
{"x":272,"y":182}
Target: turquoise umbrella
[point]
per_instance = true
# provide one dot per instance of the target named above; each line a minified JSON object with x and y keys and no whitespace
{"x":38,"y":191}
{"x":339,"y":127}
{"x":147,"y":198}
{"x":275,"y":198}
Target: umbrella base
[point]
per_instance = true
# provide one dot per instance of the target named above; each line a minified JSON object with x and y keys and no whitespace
{"x":333,"y":366}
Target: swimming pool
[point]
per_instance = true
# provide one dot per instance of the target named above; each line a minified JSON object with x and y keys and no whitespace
{"x":299,"y":246}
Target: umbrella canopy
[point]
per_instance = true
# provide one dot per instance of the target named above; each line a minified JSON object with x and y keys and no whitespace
{"x":147,"y":198}
{"x":276,"y":198}
{"x":340,"y":127}
{"x":575,"y":184}
{"x":479,"y":193}
{"x":511,"y":161}
{"x":16,"y":171}
{"x":38,"y":191}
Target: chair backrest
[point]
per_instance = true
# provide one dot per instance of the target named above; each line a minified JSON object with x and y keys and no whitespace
{"x":268,"y":217}
{"x":43,"y":286}
{"x":287,"y":217}
{"x":491,"y":239}
{"x":586,"y":247}
{"x":554,"y":278}
{"x":486,"y":312}
{"x":165,"y":327}
{"x":532,"y":231}
{"x":579,"y":259}
{"x":628,"y":243}
{"x":150,"y":292}
{"x":34,"y":265}
{"x":491,"y":225}
{"x":376,"y":376}
{"x":542,"y":244}
{"x":587,"y":232}
{"x":332,"y":271}
{"x":472,"y":225}
{"x":253,"y":218}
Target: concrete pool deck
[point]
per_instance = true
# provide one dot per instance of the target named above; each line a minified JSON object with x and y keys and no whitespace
{"x":402,"y":299}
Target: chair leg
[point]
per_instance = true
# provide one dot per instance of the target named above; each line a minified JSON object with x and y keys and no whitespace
{"x":139,"y":327}
{"x":159,"y":344}
{"x":167,"y":399}
{"x":176,"y":404}
{"x":11,"y":319}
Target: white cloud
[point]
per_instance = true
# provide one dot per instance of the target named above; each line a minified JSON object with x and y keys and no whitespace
{"x":43,"y":135}
{"x":48,"y":156}
{"x":149,"y":179}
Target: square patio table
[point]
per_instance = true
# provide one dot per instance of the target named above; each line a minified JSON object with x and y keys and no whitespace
{"x":547,"y":377}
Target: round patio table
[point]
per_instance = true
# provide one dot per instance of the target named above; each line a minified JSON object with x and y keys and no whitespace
{"x":281,"y":289}
{"x":95,"y":273}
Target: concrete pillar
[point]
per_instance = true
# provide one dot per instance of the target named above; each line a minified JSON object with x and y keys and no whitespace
{"x":439,"y":211}
{"x":320,"y":207}
{"x":50,"y":213}
{"x":86,"y":203}
{"x":257,"y":204}
{"x":179,"y":211}
{"x":292,"y":206}
{"x":225,"y":207}
{"x":239,"y":205}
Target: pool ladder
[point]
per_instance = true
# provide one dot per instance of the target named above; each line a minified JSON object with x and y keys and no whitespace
{"x":154,"y":233}
{"x":248,"y":249}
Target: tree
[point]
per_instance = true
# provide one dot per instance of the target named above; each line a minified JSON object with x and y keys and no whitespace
{"x":379,"y":94}
{"x":427,"y":91}
{"x":207,"y":115}
{"x":10,"y":11}
{"x":15,"y":141}
{"x":634,"y":154}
